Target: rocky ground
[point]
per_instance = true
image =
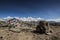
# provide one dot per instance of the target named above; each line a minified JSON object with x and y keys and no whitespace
{"x":29,"y":34}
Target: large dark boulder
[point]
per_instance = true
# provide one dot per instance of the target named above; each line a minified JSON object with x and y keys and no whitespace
{"x":41,"y":27}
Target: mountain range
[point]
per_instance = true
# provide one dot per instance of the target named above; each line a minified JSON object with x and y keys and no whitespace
{"x":29,"y":19}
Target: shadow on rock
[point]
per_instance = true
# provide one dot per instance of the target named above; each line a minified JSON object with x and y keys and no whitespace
{"x":37,"y":32}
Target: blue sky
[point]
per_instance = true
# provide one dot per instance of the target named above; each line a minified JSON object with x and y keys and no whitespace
{"x":46,"y":9}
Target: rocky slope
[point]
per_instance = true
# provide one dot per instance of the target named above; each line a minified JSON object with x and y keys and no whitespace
{"x":29,"y":34}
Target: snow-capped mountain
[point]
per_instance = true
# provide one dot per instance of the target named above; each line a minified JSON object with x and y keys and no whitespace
{"x":56,"y":20}
{"x":31,"y":20}
{"x":28,"y":19}
{"x":2,"y":19}
{"x":22,"y":19}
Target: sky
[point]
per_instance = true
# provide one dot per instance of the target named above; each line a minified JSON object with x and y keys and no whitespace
{"x":47,"y":9}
